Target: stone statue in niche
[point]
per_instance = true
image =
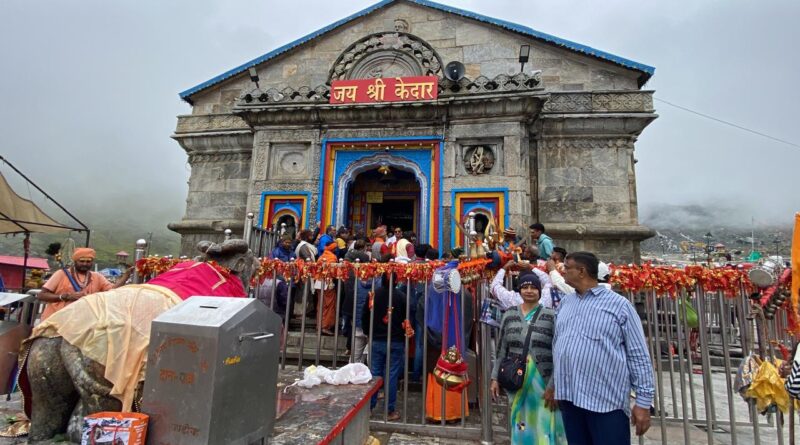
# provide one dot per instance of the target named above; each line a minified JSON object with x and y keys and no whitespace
{"x":478,"y":159}
{"x":400,"y":25}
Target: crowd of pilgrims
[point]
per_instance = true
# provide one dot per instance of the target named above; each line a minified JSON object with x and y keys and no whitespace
{"x":508,"y":255}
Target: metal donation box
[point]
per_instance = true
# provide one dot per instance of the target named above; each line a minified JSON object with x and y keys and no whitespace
{"x":212,"y":369}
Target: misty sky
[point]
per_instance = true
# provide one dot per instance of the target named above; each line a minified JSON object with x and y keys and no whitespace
{"x":89,"y":89}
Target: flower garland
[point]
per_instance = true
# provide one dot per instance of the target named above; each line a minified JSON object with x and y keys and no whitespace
{"x":150,"y":267}
{"x":299,"y":270}
{"x":153,"y":265}
{"x":665,"y":280}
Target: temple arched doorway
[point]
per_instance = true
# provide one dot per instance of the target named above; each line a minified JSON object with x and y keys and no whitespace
{"x":385,"y":195}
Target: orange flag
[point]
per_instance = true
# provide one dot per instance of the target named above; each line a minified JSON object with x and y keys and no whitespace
{"x":796,"y":264}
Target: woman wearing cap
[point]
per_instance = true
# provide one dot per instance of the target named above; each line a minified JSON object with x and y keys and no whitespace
{"x":533,"y":415}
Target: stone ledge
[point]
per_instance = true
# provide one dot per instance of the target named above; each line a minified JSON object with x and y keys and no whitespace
{"x":594,"y":231}
{"x":201,"y":226}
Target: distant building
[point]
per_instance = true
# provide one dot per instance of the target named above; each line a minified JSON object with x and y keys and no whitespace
{"x":11,"y":269}
{"x":552,"y":143}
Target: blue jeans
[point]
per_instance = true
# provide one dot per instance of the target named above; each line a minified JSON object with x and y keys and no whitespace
{"x":584,"y":427}
{"x":416,"y":373}
{"x":378,"y":357}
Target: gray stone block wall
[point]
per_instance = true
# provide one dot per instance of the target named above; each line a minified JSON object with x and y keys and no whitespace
{"x":484,"y":49}
{"x":569,"y":166}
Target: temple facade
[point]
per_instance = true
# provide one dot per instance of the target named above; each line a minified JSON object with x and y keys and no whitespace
{"x":549,"y":141}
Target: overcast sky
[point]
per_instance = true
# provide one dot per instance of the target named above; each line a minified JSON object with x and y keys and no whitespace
{"x":89,"y":89}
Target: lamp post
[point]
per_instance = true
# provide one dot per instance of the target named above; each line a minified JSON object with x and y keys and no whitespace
{"x":708,"y":236}
{"x":524,"y":56}
{"x":777,"y":242}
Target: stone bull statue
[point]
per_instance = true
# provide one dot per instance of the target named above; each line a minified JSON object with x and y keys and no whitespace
{"x":90,"y":356}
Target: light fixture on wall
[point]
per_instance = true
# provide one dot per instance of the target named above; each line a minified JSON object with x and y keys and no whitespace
{"x":524,"y":56}
{"x":253,"y":75}
{"x":387,"y":177}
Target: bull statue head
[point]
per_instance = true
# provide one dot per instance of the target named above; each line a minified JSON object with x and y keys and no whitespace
{"x":233,"y":254}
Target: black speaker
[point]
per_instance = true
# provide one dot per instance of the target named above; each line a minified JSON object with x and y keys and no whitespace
{"x":454,"y":71}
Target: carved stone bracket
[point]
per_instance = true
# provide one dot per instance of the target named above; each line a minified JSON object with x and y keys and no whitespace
{"x":604,"y":102}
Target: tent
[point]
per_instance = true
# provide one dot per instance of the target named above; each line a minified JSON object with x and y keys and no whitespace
{"x":20,"y":215}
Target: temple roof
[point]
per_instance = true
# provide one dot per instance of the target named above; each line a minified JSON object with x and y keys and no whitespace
{"x":646,"y":71}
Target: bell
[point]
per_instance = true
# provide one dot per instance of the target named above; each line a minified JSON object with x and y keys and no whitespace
{"x":451,"y":370}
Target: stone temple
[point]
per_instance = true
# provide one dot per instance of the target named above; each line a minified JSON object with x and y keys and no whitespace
{"x":551,"y":141}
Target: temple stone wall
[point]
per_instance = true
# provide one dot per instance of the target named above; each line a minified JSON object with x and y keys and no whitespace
{"x":485,"y":50}
{"x":567,"y":161}
{"x":508,"y":142}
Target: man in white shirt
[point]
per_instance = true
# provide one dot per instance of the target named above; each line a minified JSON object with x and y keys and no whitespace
{"x":396,"y":235}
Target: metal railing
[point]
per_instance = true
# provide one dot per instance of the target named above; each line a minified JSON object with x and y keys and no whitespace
{"x":695,"y":367}
{"x":694,"y":364}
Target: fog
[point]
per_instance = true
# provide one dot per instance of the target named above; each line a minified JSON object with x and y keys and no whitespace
{"x":90,"y":93}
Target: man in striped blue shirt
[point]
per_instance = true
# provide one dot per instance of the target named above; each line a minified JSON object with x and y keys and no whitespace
{"x":599,"y":354}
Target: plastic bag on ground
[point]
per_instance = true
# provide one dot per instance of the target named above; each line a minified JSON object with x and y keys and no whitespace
{"x":356,"y":373}
{"x":313,"y":376}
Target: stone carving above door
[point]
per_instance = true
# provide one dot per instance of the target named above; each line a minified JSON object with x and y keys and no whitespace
{"x":387,"y":54}
{"x":478,"y":159}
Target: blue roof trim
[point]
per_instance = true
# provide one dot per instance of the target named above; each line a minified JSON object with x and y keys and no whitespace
{"x":647,"y":70}
{"x":243,"y":67}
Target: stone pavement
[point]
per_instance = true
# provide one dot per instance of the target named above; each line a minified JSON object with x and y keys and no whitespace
{"x":673,"y":427}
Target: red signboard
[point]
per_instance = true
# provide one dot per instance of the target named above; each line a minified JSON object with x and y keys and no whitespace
{"x":388,"y":89}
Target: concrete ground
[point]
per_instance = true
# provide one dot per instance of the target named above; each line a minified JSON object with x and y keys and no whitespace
{"x":673,"y":428}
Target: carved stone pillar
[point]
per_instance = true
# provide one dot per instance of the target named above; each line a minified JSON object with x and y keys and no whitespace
{"x":587,"y":182}
{"x":219,"y":180}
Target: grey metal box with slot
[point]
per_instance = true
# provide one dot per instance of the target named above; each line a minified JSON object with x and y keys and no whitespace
{"x":212,"y":370}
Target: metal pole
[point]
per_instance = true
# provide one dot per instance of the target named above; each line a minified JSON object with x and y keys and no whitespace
{"x":356,"y":283}
{"x":405,"y":353}
{"x":425,"y":354}
{"x":336,"y":324}
{"x":463,"y":334}
{"x":445,"y":334}
{"x":371,"y":325}
{"x":485,"y":358}
{"x":706,"y":362}
{"x":690,"y":362}
{"x":320,"y":302}
{"x":679,"y":321}
{"x":724,"y":310}
{"x":660,"y":378}
{"x":138,"y":254}
{"x":286,"y":318}
{"x":388,"y":367}
{"x":651,"y":340}
{"x":306,"y":286}
{"x":665,"y":308}
{"x":248,"y":228}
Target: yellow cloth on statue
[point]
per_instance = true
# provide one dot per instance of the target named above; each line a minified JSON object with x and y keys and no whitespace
{"x":113,"y":329}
